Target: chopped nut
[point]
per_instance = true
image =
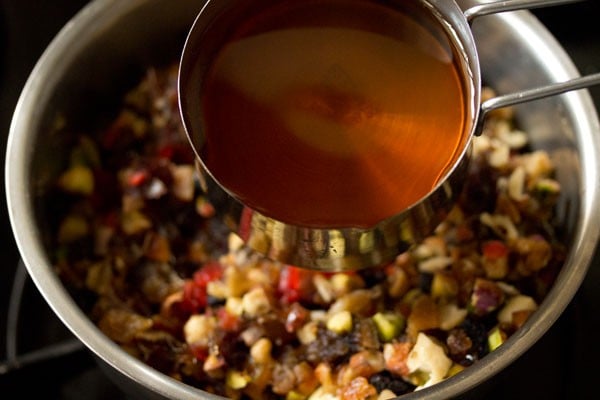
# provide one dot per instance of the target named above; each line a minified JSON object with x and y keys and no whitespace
{"x":386,"y":394}
{"x":234,"y":306}
{"x":516,"y":184}
{"x":358,"y":389}
{"x":261,"y":351}
{"x":357,"y":301}
{"x":514,"y":304}
{"x":256,"y":302}
{"x":308,"y":332}
{"x":366,"y":363}
{"x":434,"y":264}
{"x":199,"y":329}
{"x":236,"y":281}
{"x":213,"y":362}
{"x":501,"y":224}
{"x":398,"y":283}
{"x":395,"y":355}
{"x":183,"y":182}
{"x":324,"y":288}
{"x":425,"y":315}
{"x":451,"y":316}
{"x":340,"y":322}
{"x":217,"y":289}
{"x":535,"y":253}
{"x":499,"y":156}
{"x":429,"y":357}
{"x":537,"y":164}
{"x":322,"y":394}
{"x":515,"y":139}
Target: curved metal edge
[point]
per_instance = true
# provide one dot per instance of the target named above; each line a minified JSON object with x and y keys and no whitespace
{"x":91,"y":19}
{"x":557,"y":300}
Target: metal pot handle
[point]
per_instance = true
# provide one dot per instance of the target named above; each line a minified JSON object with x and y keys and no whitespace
{"x":477,"y":8}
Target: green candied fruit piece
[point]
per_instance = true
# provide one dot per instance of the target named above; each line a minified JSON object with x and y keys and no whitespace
{"x":72,"y":228}
{"x":389,"y":325}
{"x":236,"y":379}
{"x":78,"y":179}
{"x":293,"y":395}
{"x":496,"y":338}
{"x":547,"y":186}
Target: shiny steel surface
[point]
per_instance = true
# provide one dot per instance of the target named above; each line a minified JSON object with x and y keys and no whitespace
{"x":566,"y":126}
{"x":332,"y":248}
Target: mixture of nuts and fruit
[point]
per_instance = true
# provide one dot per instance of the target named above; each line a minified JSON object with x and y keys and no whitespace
{"x":140,"y":248}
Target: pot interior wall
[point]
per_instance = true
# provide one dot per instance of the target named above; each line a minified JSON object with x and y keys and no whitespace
{"x":108,"y":58}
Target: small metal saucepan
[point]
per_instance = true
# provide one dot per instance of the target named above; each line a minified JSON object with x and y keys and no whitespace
{"x":335,"y":248}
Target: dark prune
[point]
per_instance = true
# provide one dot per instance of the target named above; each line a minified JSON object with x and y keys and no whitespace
{"x":425,"y":282}
{"x":214,"y":301}
{"x":385,"y":380}
{"x":477,"y":331}
{"x":329,"y":347}
{"x":373,"y":276}
{"x":478,"y":185}
{"x":276,"y":331}
{"x":459,"y":344}
{"x":233,"y":349}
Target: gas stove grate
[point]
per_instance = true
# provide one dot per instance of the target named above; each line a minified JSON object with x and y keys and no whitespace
{"x":14,"y":360}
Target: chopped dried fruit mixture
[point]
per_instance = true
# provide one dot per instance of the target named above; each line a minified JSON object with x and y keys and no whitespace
{"x":138,"y":245}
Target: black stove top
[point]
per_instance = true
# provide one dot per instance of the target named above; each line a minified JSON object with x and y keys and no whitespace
{"x":42,"y":356}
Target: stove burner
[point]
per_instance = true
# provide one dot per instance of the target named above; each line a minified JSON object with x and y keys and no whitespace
{"x":39,"y":350}
{"x":49,"y":352}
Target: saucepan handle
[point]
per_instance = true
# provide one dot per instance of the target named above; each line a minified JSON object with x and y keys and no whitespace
{"x":477,"y":8}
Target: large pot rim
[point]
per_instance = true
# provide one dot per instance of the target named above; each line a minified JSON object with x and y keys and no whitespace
{"x":95,"y":17}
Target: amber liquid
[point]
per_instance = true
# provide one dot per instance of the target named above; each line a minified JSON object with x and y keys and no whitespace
{"x":333,"y":113}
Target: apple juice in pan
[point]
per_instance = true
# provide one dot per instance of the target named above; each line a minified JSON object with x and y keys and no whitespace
{"x":333,"y":113}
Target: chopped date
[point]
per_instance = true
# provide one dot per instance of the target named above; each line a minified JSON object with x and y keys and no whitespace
{"x":329,"y":347}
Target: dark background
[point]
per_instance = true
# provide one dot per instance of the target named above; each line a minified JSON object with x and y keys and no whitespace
{"x":563,"y":364}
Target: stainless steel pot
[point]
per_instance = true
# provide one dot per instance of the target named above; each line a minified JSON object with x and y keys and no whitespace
{"x":104,"y":48}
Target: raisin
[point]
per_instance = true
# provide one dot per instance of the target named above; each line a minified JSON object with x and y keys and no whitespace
{"x":233,"y":349}
{"x":373,"y":276}
{"x":385,"y":380}
{"x":425,"y":282}
{"x":459,"y":343}
{"x":364,"y":336}
{"x":215,"y":301}
{"x":477,"y":331}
